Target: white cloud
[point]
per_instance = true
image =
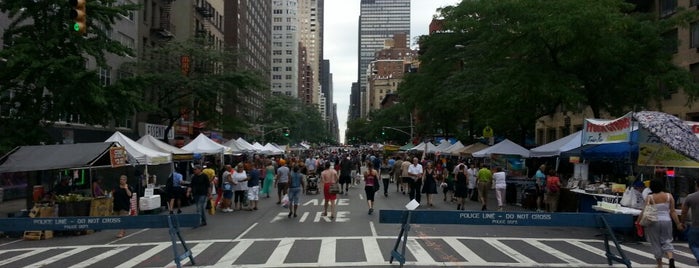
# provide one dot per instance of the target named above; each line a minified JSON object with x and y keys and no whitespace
{"x":340,"y":44}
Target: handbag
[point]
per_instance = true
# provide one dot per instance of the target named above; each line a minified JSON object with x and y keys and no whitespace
{"x":334,"y":188}
{"x":626,"y":199}
{"x":650,"y":213}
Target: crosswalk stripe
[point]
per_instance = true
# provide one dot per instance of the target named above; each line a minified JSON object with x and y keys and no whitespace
{"x":372,"y":250}
{"x":232,"y":255}
{"x":556,"y":253}
{"x":510,"y":252}
{"x":100,"y":257}
{"x":22,"y":256}
{"x":328,"y":247}
{"x":420,"y":254}
{"x":133,"y":261}
{"x":280,"y":252}
{"x":55,"y":258}
{"x":196,"y":250}
{"x":464,"y":251}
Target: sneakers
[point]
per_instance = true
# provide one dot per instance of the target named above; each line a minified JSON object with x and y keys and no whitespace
{"x":227,"y":210}
{"x":483,"y":208}
{"x":371,"y":210}
{"x":458,"y":207}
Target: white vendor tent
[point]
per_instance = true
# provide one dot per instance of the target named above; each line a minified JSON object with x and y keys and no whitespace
{"x":142,"y":154}
{"x":273,"y":149}
{"x":441,"y":148}
{"x":246,"y":144}
{"x":203,"y":145}
{"x":158,"y":145}
{"x":454,"y":148}
{"x":236,"y":147}
{"x":423,"y":146}
{"x":555,"y":148}
{"x":505,"y":147}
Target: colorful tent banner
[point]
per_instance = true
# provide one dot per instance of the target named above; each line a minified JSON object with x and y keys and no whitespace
{"x":601,"y":131}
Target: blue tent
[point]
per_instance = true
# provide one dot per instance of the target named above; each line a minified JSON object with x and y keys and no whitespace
{"x":620,"y":150}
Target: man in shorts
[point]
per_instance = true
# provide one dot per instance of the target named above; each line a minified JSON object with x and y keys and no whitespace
{"x":346,"y":167}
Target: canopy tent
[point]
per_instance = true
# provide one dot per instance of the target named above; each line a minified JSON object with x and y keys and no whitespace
{"x":672,"y":131}
{"x":142,"y":154}
{"x":158,"y":145}
{"x":273,"y":149}
{"x":236,"y":147}
{"x":423,"y":147}
{"x":246,"y":144}
{"x":59,"y":156}
{"x":470,"y":149}
{"x":555,"y":148}
{"x":258,"y":147}
{"x":441,"y":148}
{"x":607,"y":150}
{"x":406,"y":147}
{"x":203,"y":145}
{"x":454,"y":148}
{"x":505,"y":147}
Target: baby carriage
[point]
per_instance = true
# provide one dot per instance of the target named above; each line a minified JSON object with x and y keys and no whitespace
{"x":312,"y":184}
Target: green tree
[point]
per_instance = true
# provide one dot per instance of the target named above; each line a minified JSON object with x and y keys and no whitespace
{"x":44,"y":75}
{"x":520,"y":60}
{"x":305,"y":122}
{"x":192,"y":79}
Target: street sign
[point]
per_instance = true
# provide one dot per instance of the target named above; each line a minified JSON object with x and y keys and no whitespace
{"x":96,"y":223}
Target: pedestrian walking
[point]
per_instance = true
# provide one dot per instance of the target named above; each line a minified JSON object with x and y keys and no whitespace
{"x":240,"y":186}
{"x":429,"y":186}
{"x":269,"y":179}
{"x":296,"y":185}
{"x":659,"y":233}
{"x":692,"y":203}
{"x":201,"y":190}
{"x":122,"y":201}
{"x":461,"y":187}
{"x":371,"y":180}
{"x":499,"y":178}
{"x":255,"y":175}
{"x":415,"y":172}
{"x":281,"y":180}
{"x":553,"y":191}
{"x":328,"y":177}
{"x":485,"y":178}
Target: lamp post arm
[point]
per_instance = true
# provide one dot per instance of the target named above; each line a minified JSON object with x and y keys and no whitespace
{"x":402,"y":131}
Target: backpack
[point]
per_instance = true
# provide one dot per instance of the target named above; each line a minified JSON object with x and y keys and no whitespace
{"x":551,"y":185}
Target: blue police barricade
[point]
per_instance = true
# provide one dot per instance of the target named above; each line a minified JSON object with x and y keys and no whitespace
{"x":172,"y":222}
{"x":605,"y":222}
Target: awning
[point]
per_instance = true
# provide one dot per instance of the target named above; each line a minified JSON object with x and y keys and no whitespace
{"x":60,"y":156}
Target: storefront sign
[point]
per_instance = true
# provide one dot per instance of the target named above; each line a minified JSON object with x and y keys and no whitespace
{"x":118,"y":156}
{"x":599,"y":131}
{"x":157,"y":131}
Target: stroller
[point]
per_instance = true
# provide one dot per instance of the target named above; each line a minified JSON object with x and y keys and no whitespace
{"x":312,"y":184}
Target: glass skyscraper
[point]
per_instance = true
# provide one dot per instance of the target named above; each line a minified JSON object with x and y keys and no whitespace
{"x":379,"y":20}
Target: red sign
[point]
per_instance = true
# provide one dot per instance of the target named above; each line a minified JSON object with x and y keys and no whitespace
{"x":117,"y":156}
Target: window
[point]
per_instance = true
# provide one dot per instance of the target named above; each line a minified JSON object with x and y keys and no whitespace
{"x":289,"y":52}
{"x":667,"y":7}
{"x":694,"y":3}
{"x":277,"y":28}
{"x":278,"y":11}
{"x":276,"y":69}
{"x":276,"y":52}
{"x":277,"y":77}
{"x":289,"y":60}
{"x":694,"y":69}
{"x":276,"y":60}
{"x":288,"y":68}
{"x":105,"y":76}
{"x":694,"y":34}
{"x":288,"y":76}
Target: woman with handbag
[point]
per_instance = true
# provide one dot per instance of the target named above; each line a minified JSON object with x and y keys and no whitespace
{"x":371,"y":184}
{"x":656,"y":218}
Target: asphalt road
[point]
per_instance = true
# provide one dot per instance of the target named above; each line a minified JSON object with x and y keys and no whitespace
{"x":268,"y":238}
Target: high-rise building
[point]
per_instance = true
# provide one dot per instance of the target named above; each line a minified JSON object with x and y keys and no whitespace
{"x":378,"y":20}
{"x":285,"y":47}
{"x":247,"y":30}
{"x":309,"y":29}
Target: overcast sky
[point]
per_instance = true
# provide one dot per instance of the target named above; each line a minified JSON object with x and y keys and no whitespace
{"x":340,"y":44}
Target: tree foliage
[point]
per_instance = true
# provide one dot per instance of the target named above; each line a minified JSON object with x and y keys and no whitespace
{"x":304,"y":122}
{"x":507,"y":63}
{"x":193,"y":79}
{"x":44,"y":75}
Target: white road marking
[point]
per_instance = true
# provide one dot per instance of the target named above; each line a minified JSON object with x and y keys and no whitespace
{"x":94,"y":259}
{"x":280,"y":252}
{"x":23,"y":255}
{"x":235,"y":253}
{"x":135,"y":260}
{"x":327,"y":256}
{"x":246,"y":231}
{"x":372,"y":250}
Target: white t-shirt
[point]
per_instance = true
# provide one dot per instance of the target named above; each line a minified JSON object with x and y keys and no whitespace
{"x":472,"y":175}
{"x":415,"y":169}
{"x":499,"y":178}
{"x":239,"y":178}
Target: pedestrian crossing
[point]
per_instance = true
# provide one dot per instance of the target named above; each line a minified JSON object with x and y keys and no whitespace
{"x":343,"y":251}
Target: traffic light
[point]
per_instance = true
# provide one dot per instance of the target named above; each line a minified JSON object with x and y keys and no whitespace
{"x":285,"y":131}
{"x":383,"y":132}
{"x":79,"y":16}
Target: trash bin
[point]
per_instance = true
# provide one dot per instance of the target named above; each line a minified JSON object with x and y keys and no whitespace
{"x":38,"y":193}
{"x":529,"y":199}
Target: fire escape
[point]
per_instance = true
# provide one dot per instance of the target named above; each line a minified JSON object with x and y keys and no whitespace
{"x":165,"y":28}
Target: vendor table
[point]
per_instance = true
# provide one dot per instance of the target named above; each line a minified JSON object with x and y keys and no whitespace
{"x":588,"y":200}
